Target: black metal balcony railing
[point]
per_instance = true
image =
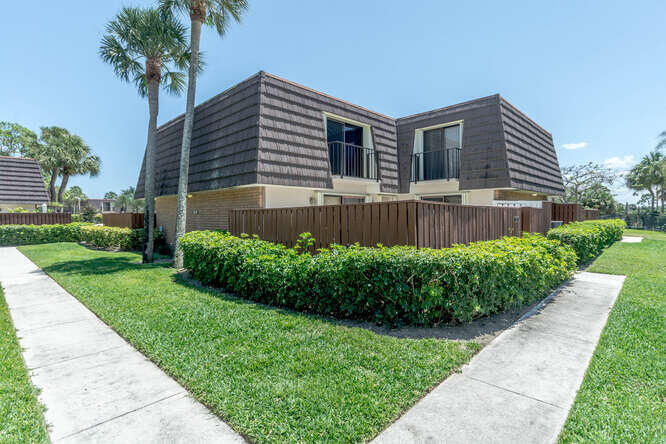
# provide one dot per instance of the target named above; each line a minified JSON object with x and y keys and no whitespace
{"x":431,"y":165}
{"x":349,"y":160}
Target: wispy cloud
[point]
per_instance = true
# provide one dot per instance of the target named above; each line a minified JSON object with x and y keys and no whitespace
{"x":619,"y":162}
{"x":574,"y":146}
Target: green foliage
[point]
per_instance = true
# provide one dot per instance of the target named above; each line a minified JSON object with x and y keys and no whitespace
{"x":97,"y":236}
{"x":88,"y":214}
{"x":589,"y":238}
{"x":273,"y":375}
{"x":397,"y":285}
{"x":16,"y":140}
{"x":21,"y":413}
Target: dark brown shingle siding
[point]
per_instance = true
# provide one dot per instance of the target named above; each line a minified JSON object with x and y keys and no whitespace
{"x":21,"y":181}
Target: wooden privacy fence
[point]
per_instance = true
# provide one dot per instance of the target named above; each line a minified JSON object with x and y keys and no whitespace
{"x":568,"y":212}
{"x":35,"y":218}
{"x":123,"y":220}
{"x":592,"y":214}
{"x":536,"y":220}
{"x":418,"y":223}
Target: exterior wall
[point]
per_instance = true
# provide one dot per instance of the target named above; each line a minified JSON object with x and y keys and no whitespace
{"x":224,"y":144}
{"x":5,"y":207}
{"x":285,"y":197}
{"x":480,"y":197}
{"x":483,"y":156}
{"x":206,"y":210}
{"x":293,"y":149}
{"x":531,"y":156}
{"x":518,"y":195}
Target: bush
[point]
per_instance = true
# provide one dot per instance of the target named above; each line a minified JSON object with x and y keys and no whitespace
{"x":394,"y":286}
{"x":97,"y":236}
{"x":589,"y":238}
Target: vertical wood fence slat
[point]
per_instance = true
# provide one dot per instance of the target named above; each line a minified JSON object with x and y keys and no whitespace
{"x":35,"y":218}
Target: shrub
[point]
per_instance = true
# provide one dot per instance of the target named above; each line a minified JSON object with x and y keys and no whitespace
{"x":98,"y":236}
{"x":589,"y":238}
{"x":397,"y":285}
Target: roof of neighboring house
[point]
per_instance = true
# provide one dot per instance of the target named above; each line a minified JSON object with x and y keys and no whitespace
{"x":268,"y":130}
{"x":21,"y":181}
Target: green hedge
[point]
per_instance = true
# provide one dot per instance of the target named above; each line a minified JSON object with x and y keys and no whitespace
{"x":397,"y":285}
{"x":589,"y":238}
{"x":98,"y":236}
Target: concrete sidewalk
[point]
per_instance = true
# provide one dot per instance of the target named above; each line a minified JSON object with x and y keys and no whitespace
{"x":95,"y":386}
{"x":521,"y":386}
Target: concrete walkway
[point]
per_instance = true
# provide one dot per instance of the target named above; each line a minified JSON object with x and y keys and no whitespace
{"x":521,"y":386}
{"x":95,"y":386}
{"x":632,"y":239}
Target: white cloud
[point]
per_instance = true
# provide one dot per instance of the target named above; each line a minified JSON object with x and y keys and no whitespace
{"x":574,"y":146}
{"x":619,"y":162}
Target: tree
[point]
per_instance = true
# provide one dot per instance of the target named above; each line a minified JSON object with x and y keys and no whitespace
{"x":73,"y":196}
{"x":110,"y":195}
{"x":125,"y":200}
{"x":51,"y":153}
{"x":216,"y":13}
{"x":78,"y":160}
{"x":661,"y":144}
{"x":648,"y":175}
{"x":599,"y":196}
{"x":579,"y":178}
{"x":16,"y":140}
{"x":157,"y":39}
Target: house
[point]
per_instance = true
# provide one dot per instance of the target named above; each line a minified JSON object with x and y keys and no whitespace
{"x":21,"y":184}
{"x":268,"y":142}
{"x":103,"y":205}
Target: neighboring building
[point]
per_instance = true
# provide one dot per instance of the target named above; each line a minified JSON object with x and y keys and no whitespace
{"x":21,"y":184}
{"x":103,"y":205}
{"x":268,"y":142}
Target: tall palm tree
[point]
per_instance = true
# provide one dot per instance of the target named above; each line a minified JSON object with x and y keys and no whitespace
{"x":80,"y":160}
{"x":216,"y":13}
{"x":156,"y":38}
{"x":661,"y":144}
{"x":51,"y":153}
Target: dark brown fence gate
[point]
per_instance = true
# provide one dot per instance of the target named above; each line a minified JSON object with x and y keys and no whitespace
{"x":419,"y":223}
{"x":123,"y":220}
{"x":35,"y":218}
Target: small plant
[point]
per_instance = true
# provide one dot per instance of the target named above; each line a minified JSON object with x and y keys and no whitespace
{"x":304,"y":243}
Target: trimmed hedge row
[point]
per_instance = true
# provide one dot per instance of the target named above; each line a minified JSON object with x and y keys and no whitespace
{"x":589,"y":238}
{"x":394,"y":286}
{"x":98,"y":236}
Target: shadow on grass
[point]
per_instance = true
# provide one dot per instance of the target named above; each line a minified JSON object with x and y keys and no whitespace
{"x":101,"y":266}
{"x":482,"y":330}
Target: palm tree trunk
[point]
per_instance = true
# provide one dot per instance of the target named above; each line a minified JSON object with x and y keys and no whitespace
{"x":63,"y":186}
{"x":181,"y":212}
{"x":149,"y":190}
{"x":52,"y":184}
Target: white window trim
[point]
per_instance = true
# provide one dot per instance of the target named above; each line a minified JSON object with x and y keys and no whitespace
{"x":464,"y":195}
{"x":418,"y":137}
{"x":367,"y":137}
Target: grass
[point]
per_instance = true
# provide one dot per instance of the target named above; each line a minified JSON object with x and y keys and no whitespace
{"x":622,"y":398}
{"x":21,"y":418}
{"x":273,"y":375}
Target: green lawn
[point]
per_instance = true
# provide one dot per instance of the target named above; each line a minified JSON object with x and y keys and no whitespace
{"x":21,"y":417}
{"x":274,"y":375}
{"x":623,"y":395}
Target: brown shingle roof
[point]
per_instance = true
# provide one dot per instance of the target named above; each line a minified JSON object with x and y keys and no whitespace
{"x":21,"y":181}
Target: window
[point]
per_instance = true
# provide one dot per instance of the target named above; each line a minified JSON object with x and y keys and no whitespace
{"x":330,"y":199}
{"x":452,"y":198}
{"x":437,"y":153}
{"x":345,"y":148}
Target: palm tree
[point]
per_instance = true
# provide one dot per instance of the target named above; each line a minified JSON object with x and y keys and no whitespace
{"x":125,"y":200}
{"x":79,"y":161}
{"x":648,"y":176}
{"x":661,"y":144}
{"x":51,"y":153}
{"x":216,"y":13}
{"x":156,"y":38}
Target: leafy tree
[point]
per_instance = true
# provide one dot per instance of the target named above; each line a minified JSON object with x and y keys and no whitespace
{"x":51,"y":153}
{"x":16,"y":140}
{"x":661,"y":144}
{"x":111,"y":195}
{"x":71,"y":197}
{"x":147,"y":47}
{"x":579,"y":178}
{"x":599,"y":196}
{"x":126,"y":201}
{"x":218,"y":14}
{"x":648,"y":175}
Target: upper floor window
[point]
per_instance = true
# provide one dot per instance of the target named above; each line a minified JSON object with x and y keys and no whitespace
{"x":437,"y":152}
{"x":350,"y":149}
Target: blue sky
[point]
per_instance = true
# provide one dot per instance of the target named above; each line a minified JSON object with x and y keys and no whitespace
{"x":593,"y":73}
